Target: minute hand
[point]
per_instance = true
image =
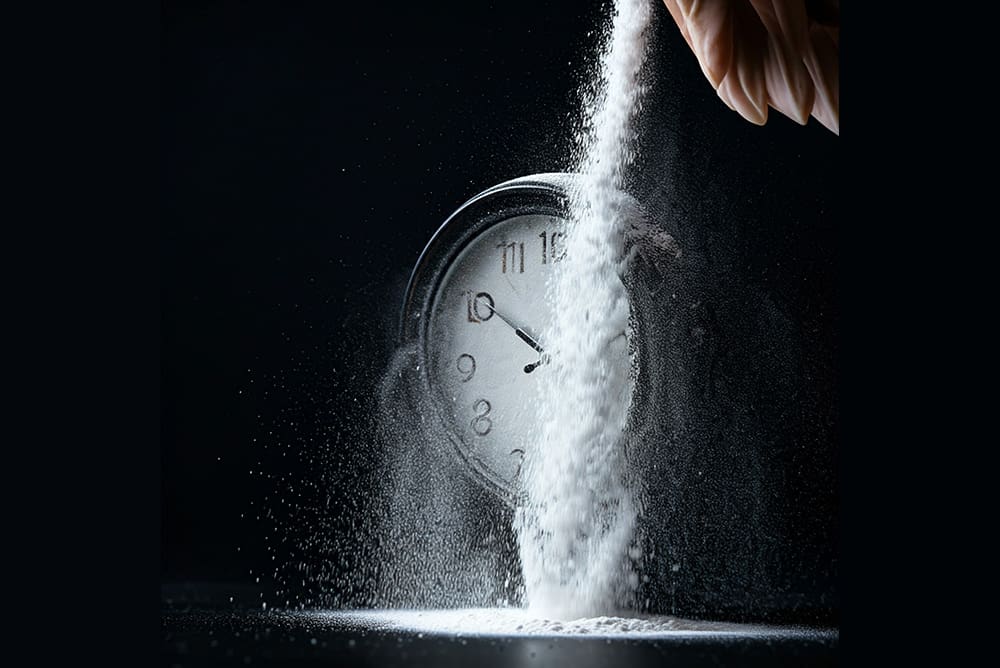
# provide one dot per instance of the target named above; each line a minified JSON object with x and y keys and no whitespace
{"x":523,"y":335}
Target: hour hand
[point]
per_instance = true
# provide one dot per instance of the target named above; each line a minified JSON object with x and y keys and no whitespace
{"x":527,"y":339}
{"x":521,"y":334}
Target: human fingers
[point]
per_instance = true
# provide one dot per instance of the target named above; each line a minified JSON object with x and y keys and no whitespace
{"x":731,"y":62}
{"x":758,"y":53}
{"x":708,"y":29}
{"x":824,"y":68}
{"x":790,"y":88}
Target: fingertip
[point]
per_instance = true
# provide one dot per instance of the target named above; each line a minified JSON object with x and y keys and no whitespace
{"x":710,"y":26}
{"x":827,"y":119}
{"x":737,"y":98}
{"x":824,"y":68}
{"x":709,"y":59}
{"x":797,"y":107}
{"x":725,"y":97}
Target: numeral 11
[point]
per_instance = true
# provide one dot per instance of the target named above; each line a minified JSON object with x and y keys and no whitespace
{"x":513,"y":247}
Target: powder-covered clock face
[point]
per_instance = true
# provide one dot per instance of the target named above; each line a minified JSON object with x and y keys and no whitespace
{"x":485,"y":343}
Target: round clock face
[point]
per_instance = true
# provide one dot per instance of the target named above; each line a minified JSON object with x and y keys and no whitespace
{"x":484,"y":342}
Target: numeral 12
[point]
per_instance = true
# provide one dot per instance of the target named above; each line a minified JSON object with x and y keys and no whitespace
{"x":549,"y":247}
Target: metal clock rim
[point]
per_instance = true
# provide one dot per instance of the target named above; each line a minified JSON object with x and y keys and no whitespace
{"x":551,"y":182}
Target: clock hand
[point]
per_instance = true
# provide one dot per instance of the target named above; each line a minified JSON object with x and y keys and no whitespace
{"x":523,"y":335}
{"x":527,"y":339}
{"x":528,"y":368}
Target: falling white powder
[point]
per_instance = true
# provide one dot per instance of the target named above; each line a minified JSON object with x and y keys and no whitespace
{"x":577,"y":523}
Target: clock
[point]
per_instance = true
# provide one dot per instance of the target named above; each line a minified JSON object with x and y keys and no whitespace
{"x":476,"y":312}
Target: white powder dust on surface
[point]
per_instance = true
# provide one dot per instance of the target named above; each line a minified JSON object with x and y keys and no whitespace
{"x":576,"y":524}
{"x":514,"y":622}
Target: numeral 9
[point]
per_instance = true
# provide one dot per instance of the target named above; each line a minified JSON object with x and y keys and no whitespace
{"x":466,"y":365}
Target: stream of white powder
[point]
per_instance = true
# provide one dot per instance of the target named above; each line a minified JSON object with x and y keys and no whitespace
{"x":576,"y":524}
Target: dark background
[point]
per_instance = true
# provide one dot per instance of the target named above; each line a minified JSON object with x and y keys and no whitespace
{"x":309,"y":153}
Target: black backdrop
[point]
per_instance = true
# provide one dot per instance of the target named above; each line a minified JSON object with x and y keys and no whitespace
{"x":309,"y":154}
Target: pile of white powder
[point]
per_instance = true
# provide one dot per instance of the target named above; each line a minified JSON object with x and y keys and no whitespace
{"x":514,"y":622}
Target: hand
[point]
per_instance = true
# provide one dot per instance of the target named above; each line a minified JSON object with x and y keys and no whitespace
{"x":521,"y":334}
{"x":755,"y":53}
{"x":524,"y":336}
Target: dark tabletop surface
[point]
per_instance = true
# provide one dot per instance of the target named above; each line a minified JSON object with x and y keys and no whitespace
{"x":208,"y":632}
